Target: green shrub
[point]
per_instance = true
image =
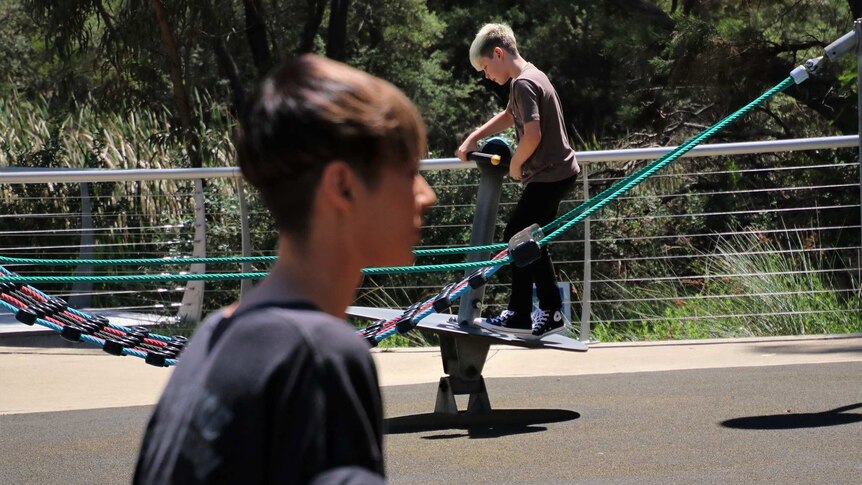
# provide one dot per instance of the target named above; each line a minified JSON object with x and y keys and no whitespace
{"x":752,"y":287}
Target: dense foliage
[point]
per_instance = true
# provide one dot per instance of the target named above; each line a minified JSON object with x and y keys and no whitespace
{"x":630,"y":72}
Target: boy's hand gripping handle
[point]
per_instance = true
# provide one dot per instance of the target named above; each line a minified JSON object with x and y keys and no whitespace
{"x":484,"y":157}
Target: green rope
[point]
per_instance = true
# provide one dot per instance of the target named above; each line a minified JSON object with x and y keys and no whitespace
{"x":629,"y":182}
{"x":595,"y":203}
{"x":558,"y":226}
{"x":459,"y":250}
{"x":626,"y":183}
{"x":235,"y":276}
{"x":211,"y":260}
{"x":141,"y":261}
{"x":428,"y":268}
{"x":181,"y":278}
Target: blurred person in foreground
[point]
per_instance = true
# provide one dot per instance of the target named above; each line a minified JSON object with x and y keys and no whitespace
{"x":278,"y":388}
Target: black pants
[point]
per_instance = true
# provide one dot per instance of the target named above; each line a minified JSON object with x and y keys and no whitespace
{"x":538,"y":205}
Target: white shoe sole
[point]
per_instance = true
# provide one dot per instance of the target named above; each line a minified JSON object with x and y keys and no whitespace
{"x":549,"y":332}
{"x":483,"y":322}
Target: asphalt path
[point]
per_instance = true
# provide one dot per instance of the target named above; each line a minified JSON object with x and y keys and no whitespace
{"x":772,"y":424}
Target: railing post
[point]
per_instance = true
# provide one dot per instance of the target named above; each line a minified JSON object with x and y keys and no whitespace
{"x":484,"y":224}
{"x":192,"y":305}
{"x":857,"y":26}
{"x":82,"y":291}
{"x":588,"y":266}
{"x":245,"y":234}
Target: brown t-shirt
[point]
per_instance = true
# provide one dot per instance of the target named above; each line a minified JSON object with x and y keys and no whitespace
{"x":533,"y":98}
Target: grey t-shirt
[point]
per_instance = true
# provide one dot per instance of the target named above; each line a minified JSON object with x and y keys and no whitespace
{"x":533,"y":98}
{"x":278,"y":393}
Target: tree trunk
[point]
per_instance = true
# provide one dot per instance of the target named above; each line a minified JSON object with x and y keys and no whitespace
{"x":181,"y":96}
{"x":336,"y":45}
{"x":817,"y":93}
{"x":255,"y":31}
{"x":688,"y":6}
{"x":112,"y":55}
{"x":106,"y":18}
{"x":224,"y":59}
{"x":312,"y":24}
{"x":228,"y":68}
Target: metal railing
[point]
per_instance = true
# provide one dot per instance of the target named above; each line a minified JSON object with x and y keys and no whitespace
{"x":618,"y":274}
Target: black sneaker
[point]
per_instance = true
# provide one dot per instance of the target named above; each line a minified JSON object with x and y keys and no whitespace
{"x":507,"y":322}
{"x":547,"y":322}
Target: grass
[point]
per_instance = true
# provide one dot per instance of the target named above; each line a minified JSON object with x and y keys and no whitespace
{"x":131,"y":138}
{"x":755,"y":288}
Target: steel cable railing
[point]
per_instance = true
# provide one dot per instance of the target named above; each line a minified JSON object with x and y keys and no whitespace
{"x":597,"y":221}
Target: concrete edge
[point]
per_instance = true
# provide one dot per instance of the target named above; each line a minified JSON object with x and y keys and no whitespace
{"x":653,"y":343}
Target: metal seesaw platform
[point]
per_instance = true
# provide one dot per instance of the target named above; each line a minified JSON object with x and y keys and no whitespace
{"x":444,"y":323}
{"x":464,"y":350}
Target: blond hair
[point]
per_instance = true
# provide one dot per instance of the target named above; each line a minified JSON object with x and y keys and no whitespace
{"x":489,"y":37}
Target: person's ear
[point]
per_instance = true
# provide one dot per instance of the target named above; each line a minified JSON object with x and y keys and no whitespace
{"x":338,"y":185}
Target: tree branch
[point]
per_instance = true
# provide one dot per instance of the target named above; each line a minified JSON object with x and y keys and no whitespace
{"x":336,"y":45}
{"x":312,"y":24}
{"x":181,"y":96}
{"x":258,"y":41}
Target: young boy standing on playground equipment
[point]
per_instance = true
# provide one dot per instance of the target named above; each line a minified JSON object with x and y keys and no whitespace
{"x":278,"y":388}
{"x":543,"y":162}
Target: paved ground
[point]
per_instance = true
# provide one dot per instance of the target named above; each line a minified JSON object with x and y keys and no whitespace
{"x":730,"y":425}
{"x":752,"y":411}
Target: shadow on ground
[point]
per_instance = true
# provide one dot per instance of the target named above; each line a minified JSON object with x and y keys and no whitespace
{"x":832,"y":344}
{"x":833,"y":417}
{"x":497,"y":423}
{"x":822,"y":350}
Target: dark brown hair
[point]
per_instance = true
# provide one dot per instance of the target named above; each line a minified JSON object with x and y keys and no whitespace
{"x":311,"y":111}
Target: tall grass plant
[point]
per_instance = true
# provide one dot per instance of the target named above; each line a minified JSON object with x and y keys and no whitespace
{"x":753,"y":286}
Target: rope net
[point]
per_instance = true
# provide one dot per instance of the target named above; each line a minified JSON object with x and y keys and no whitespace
{"x":30,"y":306}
